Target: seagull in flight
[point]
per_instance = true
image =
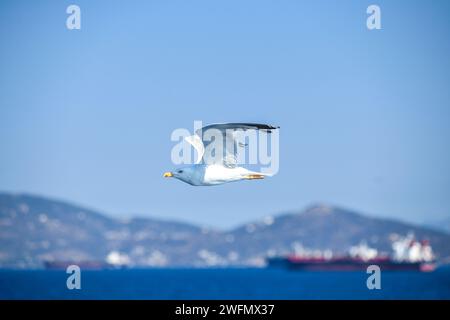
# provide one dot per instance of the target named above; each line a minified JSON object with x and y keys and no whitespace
{"x":221,"y":168}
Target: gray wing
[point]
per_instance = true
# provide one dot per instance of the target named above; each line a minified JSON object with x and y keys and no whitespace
{"x":223,"y":139}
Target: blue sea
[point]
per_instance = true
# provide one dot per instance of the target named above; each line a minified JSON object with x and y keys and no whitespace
{"x":222,"y":284}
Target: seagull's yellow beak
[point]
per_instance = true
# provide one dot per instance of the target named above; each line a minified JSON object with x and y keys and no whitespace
{"x":168,"y":174}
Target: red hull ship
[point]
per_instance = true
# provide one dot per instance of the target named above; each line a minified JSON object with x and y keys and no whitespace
{"x":408,"y":255}
{"x":345,"y":264}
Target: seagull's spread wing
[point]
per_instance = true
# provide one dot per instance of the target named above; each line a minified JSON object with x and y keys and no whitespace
{"x":197,"y":143}
{"x":229,"y":145}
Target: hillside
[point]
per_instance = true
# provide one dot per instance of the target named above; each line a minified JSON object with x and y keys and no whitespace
{"x":35,"y":229}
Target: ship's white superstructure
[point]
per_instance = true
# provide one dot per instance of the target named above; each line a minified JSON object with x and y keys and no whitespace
{"x":408,"y":249}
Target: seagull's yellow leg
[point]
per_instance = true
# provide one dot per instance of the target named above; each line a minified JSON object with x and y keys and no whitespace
{"x":254,"y":176}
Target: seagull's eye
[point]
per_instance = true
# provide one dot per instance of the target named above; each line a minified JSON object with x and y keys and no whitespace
{"x":180,"y":171}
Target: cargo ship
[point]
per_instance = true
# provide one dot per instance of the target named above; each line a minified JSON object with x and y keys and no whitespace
{"x":85,"y":265}
{"x":114,"y":260}
{"x":407,"y":255}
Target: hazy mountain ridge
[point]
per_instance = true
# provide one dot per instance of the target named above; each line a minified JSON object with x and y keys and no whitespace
{"x":439,"y":224}
{"x":35,"y":229}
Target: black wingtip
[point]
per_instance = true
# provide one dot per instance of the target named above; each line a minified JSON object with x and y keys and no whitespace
{"x":261,"y":126}
{"x":243,"y":125}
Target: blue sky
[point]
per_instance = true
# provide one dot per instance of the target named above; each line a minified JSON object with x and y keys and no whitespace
{"x":87,"y":115}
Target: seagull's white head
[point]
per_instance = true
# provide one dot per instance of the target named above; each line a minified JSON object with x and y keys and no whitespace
{"x":185,"y":174}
